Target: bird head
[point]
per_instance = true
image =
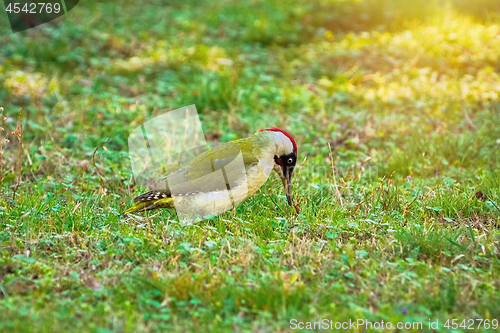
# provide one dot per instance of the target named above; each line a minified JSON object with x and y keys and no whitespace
{"x":285,"y":158}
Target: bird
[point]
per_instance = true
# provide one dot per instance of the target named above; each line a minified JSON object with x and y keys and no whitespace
{"x":220,"y":178}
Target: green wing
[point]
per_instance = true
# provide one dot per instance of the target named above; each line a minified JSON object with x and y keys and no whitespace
{"x":196,"y":176}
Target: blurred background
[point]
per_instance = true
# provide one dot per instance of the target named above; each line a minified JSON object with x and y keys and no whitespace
{"x":402,"y":89}
{"x":412,"y":84}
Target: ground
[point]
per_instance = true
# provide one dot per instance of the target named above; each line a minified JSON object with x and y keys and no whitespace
{"x":395,"y":109}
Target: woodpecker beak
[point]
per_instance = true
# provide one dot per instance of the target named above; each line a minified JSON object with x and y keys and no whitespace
{"x":284,"y":168}
{"x":287,"y":183}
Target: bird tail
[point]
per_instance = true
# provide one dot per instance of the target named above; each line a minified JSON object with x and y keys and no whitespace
{"x":143,"y":206}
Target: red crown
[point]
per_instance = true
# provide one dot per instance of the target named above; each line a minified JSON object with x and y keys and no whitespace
{"x":276,"y":129}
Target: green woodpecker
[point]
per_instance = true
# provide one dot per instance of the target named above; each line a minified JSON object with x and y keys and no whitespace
{"x":196,"y":190}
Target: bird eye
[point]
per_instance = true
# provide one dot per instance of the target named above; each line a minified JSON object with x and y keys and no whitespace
{"x":290,"y":161}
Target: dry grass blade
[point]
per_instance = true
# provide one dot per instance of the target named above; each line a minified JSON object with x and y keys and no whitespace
{"x":103,"y":183}
{"x":18,"y":168}
{"x":334,"y":171}
{"x":380,"y":185}
{"x":361,"y":169}
{"x":296,"y":205}
{"x":2,"y":119}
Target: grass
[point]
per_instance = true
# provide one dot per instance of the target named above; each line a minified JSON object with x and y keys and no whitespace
{"x":398,"y":132}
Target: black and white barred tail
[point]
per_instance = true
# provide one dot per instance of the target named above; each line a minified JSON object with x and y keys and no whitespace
{"x":149,"y":201}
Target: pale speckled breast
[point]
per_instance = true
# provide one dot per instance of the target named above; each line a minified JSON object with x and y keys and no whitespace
{"x":217,"y":202}
{"x":258,"y":175}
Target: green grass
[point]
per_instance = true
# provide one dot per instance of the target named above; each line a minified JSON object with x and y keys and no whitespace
{"x":410,"y":110}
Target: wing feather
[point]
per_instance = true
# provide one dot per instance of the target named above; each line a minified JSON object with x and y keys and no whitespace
{"x":202,"y":173}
